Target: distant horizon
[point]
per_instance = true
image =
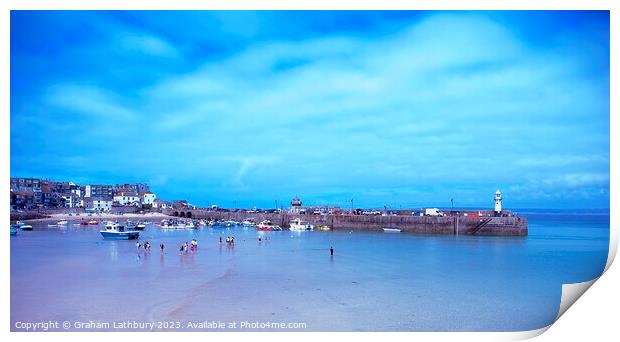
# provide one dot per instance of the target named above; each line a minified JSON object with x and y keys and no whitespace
{"x":385,"y":107}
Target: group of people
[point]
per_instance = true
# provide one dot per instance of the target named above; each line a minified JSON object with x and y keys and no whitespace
{"x":146,"y":245}
{"x":230,"y":240}
{"x":191,"y":246}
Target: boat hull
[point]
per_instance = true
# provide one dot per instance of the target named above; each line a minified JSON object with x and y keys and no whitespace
{"x":120,"y":235}
{"x":13,"y":231}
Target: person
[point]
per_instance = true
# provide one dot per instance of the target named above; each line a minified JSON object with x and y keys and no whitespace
{"x":260,"y":238}
{"x":147,"y":246}
{"x":232,"y":240}
{"x":181,"y":249}
{"x":138,"y":244}
{"x":161,"y":246}
{"x":331,"y":250}
{"x":220,"y":240}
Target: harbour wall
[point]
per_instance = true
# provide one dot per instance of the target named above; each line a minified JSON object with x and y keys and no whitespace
{"x":461,"y":225}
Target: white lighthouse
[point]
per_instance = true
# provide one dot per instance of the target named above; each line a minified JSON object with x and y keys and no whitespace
{"x":498,"y":203}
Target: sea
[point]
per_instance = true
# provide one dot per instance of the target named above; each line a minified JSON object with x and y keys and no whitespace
{"x":289,"y":281}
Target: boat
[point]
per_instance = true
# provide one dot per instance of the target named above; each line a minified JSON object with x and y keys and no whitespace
{"x":298,"y":224}
{"x":83,"y":223}
{"x":21,"y":225}
{"x":118,"y":232}
{"x":13,"y":231}
{"x":174,"y":224}
{"x":324,"y":228}
{"x":140,"y":225}
{"x":391,"y":230}
{"x":266,"y":226}
{"x":61,"y":223}
{"x":93,"y":222}
{"x":248,"y":223}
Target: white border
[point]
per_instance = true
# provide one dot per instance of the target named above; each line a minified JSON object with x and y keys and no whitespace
{"x":594,"y":317}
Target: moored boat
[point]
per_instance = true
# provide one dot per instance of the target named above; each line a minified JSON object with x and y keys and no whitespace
{"x":116,"y":231}
{"x":324,"y":228}
{"x":13,"y":231}
{"x":391,"y":230}
{"x":266,"y":226}
{"x":93,"y":222}
{"x":21,"y":225}
{"x":298,"y":224}
{"x":61,"y":223}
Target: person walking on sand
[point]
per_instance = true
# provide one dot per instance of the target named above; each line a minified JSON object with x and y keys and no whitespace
{"x":138,"y":245}
{"x":161,"y":246}
{"x":220,"y":240}
{"x":331,"y":250}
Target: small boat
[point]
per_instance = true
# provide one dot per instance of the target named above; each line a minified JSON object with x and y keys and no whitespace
{"x":324,"y":228}
{"x":61,"y":223}
{"x":117,"y":232}
{"x":391,"y":230}
{"x":248,"y":223}
{"x":84,"y":223}
{"x":266,"y":226}
{"x":298,"y":224}
{"x":140,"y":225}
{"x":21,"y":225}
{"x":174,"y":224}
{"x":13,"y":231}
{"x":93,"y":222}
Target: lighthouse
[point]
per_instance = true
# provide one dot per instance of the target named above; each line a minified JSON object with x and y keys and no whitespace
{"x":498,"y":203}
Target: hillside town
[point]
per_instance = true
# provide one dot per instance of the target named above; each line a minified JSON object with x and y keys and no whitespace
{"x":35,"y":193}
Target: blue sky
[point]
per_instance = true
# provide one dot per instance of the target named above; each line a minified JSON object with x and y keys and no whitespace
{"x":397,"y":108}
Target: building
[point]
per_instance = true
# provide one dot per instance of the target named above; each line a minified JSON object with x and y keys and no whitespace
{"x":296,"y":206}
{"x":148,"y":198}
{"x":101,"y":203}
{"x":180,"y":204}
{"x":161,"y":204}
{"x":126,"y":198}
{"x":99,"y":191}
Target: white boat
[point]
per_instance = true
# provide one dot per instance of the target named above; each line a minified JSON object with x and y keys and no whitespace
{"x":21,"y":225}
{"x":298,"y":224}
{"x":174,"y":224}
{"x":116,"y":231}
{"x":391,"y":230}
{"x":267,"y":226}
{"x":248,"y":223}
{"x":61,"y":223}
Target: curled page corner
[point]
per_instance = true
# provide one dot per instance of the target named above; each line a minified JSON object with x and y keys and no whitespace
{"x":572,"y":292}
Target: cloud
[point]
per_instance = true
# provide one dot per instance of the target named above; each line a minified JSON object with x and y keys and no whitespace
{"x":445,"y":104}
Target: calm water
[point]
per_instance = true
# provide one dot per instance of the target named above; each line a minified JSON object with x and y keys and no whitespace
{"x":374,"y":282}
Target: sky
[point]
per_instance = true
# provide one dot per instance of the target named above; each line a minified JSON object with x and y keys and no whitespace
{"x":387,"y":108}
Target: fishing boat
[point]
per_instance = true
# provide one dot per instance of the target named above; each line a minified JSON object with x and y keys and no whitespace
{"x":324,"y":228}
{"x":118,"y":232}
{"x":298,"y":224}
{"x":266,"y":226}
{"x":13,"y":231}
{"x":391,"y":230}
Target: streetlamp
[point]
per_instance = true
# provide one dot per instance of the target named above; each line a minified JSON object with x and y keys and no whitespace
{"x":276,"y":204}
{"x":351,"y":206}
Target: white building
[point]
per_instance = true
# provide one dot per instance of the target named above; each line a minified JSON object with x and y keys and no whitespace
{"x":102,"y":204}
{"x":126,"y":199}
{"x":87,"y":191}
{"x":148,"y":198}
{"x":498,"y":202}
{"x":68,"y":201}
